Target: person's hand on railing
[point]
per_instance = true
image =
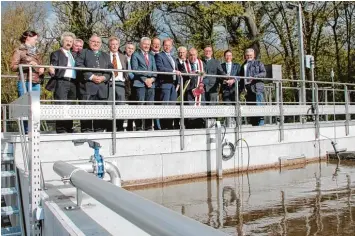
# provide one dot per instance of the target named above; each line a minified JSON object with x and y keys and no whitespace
{"x":41,"y":71}
{"x":51,"y":70}
{"x":177,"y":72}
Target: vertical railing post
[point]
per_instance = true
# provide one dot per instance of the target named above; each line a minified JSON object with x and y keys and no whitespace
{"x":316,"y":106}
{"x":300,"y":103}
{"x":22,"y":77}
{"x":277,"y":90}
{"x":4,"y":109}
{"x":219,"y":170}
{"x":113,"y":114}
{"x":182,"y":115}
{"x":281,"y":124}
{"x":30,"y":79}
{"x":347,"y":115}
{"x":326,"y":102}
{"x":34,"y":160}
{"x":270,"y":102}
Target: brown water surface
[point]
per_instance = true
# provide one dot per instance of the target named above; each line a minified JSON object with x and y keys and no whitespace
{"x":316,"y":199}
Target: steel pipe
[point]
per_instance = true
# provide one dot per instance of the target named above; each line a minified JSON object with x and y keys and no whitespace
{"x":147,"y":215}
{"x":110,"y":169}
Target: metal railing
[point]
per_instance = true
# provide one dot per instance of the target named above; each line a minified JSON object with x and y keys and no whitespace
{"x":146,"y":215}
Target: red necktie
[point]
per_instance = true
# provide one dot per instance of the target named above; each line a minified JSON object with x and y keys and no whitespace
{"x":114,"y":62}
{"x":146,"y":58}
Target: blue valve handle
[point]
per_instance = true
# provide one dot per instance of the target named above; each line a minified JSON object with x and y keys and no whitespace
{"x":99,"y":161}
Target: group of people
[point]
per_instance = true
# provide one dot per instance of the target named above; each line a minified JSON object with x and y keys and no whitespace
{"x":144,"y":87}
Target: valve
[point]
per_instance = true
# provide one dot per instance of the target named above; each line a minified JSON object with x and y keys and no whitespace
{"x":96,"y":159}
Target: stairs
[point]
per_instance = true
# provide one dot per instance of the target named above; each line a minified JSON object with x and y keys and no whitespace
{"x":10,"y":191}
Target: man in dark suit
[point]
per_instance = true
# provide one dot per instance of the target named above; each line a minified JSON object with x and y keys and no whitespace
{"x":96,"y":82}
{"x":166,"y":63}
{"x":213,"y":67}
{"x":230,"y":68}
{"x":254,"y":87}
{"x":119,"y":61}
{"x":144,"y":83}
{"x":65,"y":79}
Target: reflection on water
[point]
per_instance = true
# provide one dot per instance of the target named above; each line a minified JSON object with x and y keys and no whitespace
{"x":317,"y":199}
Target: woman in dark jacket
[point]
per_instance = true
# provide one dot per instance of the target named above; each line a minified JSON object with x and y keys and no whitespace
{"x":27,"y":54}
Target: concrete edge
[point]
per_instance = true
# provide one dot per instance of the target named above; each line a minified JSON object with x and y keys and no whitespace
{"x":63,"y":219}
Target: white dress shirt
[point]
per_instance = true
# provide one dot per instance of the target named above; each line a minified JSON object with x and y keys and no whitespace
{"x":119,"y":76}
{"x":69,"y":73}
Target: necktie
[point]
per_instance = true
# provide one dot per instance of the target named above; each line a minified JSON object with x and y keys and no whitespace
{"x":193,"y":67}
{"x":146,"y":58}
{"x":171,"y":60}
{"x":114,"y":62}
{"x":72,"y":63}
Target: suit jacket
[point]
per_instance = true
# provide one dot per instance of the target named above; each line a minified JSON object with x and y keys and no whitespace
{"x":234,"y":72}
{"x":213,"y":67}
{"x":58,"y":58}
{"x":138,"y":63}
{"x":164,"y":65}
{"x":193,"y":79}
{"x":254,"y":69}
{"x":88,"y":58}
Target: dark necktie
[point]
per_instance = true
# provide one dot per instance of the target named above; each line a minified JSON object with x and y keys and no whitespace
{"x":193,"y":67}
{"x":114,"y":62}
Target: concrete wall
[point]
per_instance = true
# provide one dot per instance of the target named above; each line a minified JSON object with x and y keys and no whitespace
{"x":148,"y":157}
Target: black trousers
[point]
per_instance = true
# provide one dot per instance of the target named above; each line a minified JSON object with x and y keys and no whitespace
{"x":65,"y":89}
{"x":120,"y":97}
{"x":93,"y":125}
{"x":144,"y":96}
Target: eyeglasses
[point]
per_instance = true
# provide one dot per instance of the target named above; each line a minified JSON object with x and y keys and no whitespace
{"x":95,"y":41}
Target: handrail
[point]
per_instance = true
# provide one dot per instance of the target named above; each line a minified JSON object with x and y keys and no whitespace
{"x":146,"y":215}
{"x":183,"y":74}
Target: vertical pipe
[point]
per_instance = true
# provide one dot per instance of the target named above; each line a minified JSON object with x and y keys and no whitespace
{"x":300,"y":103}
{"x":335,"y":131}
{"x":113,"y":114}
{"x":182,"y":117}
{"x":277,"y":89}
{"x":312,"y":78}
{"x":347,"y":115}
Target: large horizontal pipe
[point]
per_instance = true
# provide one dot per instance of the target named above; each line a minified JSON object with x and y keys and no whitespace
{"x":147,"y":215}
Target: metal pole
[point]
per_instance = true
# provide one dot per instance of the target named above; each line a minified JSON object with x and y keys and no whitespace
{"x":312,"y":78}
{"x":4,"y":109}
{"x":277,"y":89}
{"x":113,"y":114}
{"x":316,"y":104}
{"x":347,"y":115}
{"x":281,"y":125}
{"x":326,"y":102}
{"x":219,"y":170}
{"x":270,"y":100}
{"x":182,"y":115}
{"x":335,"y":131}
{"x":301,"y":53}
{"x":22,"y":77}
{"x":30,"y":79}
{"x":147,"y":215}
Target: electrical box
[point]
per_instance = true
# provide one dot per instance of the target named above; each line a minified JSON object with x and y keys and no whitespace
{"x":273,"y":71}
{"x":308,"y":60}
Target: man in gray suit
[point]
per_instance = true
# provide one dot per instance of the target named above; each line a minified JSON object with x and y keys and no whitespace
{"x":213,"y":67}
{"x":96,"y":82}
{"x":144,"y":83}
{"x":119,"y":61}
